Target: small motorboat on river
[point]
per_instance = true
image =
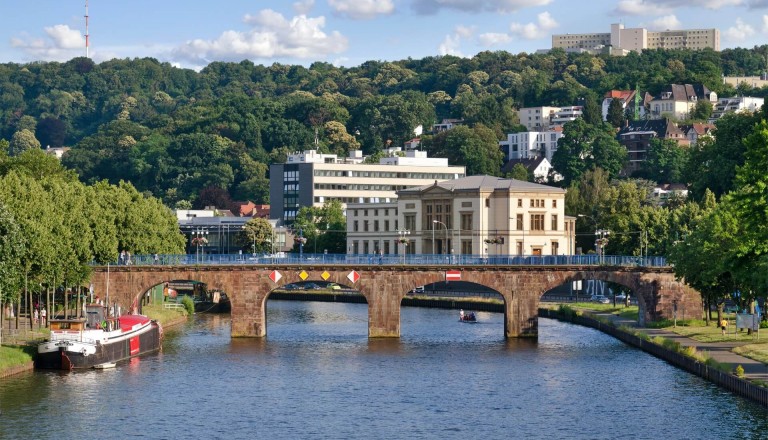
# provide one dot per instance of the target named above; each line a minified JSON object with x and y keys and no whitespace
{"x":467,"y":317}
{"x":98,"y":340}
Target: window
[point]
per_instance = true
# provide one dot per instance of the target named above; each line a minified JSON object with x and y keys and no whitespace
{"x":531,"y":203}
{"x":487,"y":203}
{"x":365,"y":225}
{"x":554,"y":203}
{"x":537,"y":222}
{"x":554,"y":222}
{"x":519,"y":203}
{"x":355,"y":226}
{"x":519,"y":225}
{"x":555,"y":248}
{"x":376,"y":225}
{"x":386,"y":225}
{"x":466,"y":221}
{"x":410,"y":222}
{"x":519,"y":248}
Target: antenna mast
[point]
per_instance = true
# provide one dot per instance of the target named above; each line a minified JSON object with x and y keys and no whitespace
{"x":87,"y":42}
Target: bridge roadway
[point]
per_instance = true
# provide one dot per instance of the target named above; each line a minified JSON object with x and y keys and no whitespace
{"x":384,"y":286}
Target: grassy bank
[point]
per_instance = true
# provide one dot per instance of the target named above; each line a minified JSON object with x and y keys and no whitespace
{"x":13,"y":355}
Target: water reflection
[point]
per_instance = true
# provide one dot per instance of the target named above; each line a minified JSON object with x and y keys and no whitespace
{"x":318,"y":375}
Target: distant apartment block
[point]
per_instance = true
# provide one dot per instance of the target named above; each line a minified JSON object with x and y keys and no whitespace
{"x":531,"y":144}
{"x":736,"y":104}
{"x":310,"y":178}
{"x":751,"y":81}
{"x":636,"y":137}
{"x":621,"y":40}
{"x":544,"y":118}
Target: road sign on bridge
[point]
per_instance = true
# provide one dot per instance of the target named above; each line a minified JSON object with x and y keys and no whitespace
{"x":453,"y":275}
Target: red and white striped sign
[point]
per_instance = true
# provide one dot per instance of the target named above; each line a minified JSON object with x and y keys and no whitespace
{"x":453,"y":275}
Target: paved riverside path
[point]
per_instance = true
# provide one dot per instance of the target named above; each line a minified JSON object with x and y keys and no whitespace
{"x":719,"y":351}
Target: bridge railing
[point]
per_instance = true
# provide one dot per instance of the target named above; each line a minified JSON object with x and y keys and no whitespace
{"x":398,"y":260}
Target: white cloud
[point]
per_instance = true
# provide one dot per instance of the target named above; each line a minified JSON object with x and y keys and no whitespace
{"x":451,"y":43}
{"x":533,"y":31}
{"x":640,"y":7}
{"x":494,"y":39}
{"x":302,"y":7}
{"x":362,"y":9}
{"x":667,"y":22}
{"x":504,"y":6}
{"x":765,"y":23}
{"x":739,"y":32}
{"x":62,"y":43}
{"x":272,"y":36}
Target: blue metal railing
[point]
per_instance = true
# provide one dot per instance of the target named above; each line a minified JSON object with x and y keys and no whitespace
{"x":400,"y":260}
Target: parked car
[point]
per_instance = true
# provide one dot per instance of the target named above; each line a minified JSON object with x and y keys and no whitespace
{"x":602,"y":299}
{"x":291,"y":287}
{"x":333,"y":286}
{"x":311,"y":286}
{"x":419,"y":289}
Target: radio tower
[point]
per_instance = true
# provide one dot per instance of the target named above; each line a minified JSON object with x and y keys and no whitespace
{"x":87,"y":43}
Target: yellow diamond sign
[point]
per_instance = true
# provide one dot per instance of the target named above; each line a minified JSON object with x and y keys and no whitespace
{"x":325,"y":275}
{"x":303,"y":275}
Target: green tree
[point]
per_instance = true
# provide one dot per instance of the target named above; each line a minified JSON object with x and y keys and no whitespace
{"x":477,"y":148}
{"x":702,"y":110}
{"x":616,"y":113}
{"x":666,"y":161}
{"x":257,"y":236}
{"x":584,"y":147}
{"x":22,"y":141}
{"x":520,"y":172}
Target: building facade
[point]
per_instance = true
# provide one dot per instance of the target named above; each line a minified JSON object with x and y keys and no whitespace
{"x":636,"y":137}
{"x":476,"y":215}
{"x":678,"y":100}
{"x":531,"y":144}
{"x":311,"y":179}
{"x":736,"y":104}
{"x":621,"y":40}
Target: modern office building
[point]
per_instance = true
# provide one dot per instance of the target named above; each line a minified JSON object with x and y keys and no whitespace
{"x":621,"y":40}
{"x":310,"y":179}
{"x":476,"y":215}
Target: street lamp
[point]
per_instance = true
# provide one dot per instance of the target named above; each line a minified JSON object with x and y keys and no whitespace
{"x":403,"y":234}
{"x":433,"y":232}
{"x":198,"y":240}
{"x":301,"y":240}
{"x":601,"y":241}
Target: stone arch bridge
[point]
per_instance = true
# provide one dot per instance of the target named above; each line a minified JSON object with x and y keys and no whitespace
{"x":248,"y":287}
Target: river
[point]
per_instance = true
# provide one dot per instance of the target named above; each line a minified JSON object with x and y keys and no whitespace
{"x":318,"y":376}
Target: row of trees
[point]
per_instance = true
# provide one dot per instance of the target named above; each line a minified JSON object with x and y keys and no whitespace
{"x":175,"y":132}
{"x":52,"y":226}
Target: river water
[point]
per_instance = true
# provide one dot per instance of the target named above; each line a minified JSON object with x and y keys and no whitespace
{"x":318,"y":376}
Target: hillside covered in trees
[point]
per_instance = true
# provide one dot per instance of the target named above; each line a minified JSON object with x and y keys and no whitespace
{"x":200,"y":138}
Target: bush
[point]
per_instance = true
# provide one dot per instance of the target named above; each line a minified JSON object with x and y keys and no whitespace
{"x":739,"y":372}
{"x":566,"y":312}
{"x":189,"y":304}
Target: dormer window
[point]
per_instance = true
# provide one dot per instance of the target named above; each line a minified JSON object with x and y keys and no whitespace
{"x":666,"y":95}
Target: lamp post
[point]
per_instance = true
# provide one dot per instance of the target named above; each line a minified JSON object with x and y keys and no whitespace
{"x":403,"y":239}
{"x":601,"y":241}
{"x":301,"y":240}
{"x":433,"y":232}
{"x":199,"y":239}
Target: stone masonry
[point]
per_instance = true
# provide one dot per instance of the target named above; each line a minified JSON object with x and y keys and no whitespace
{"x":248,"y":287}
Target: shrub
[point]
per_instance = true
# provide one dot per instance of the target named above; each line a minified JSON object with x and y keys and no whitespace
{"x":189,"y":304}
{"x":739,"y":371}
{"x":690,"y":351}
{"x":566,"y":311}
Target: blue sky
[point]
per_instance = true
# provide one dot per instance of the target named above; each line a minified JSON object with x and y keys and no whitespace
{"x":192,"y":33}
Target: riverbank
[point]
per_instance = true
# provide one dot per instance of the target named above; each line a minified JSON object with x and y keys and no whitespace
{"x":20,"y":345}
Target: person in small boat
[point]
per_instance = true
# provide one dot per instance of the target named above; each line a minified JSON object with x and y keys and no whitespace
{"x":461,"y":314}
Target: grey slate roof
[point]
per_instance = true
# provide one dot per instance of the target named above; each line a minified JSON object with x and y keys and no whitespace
{"x":483,"y":182}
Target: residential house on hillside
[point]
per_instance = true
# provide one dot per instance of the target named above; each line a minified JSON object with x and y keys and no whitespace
{"x":662,"y":193}
{"x":696,"y":130}
{"x":537,"y":118}
{"x":538,"y":167}
{"x":446,"y":124}
{"x":627,"y":99}
{"x":678,"y":100}
{"x":636,"y":137}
